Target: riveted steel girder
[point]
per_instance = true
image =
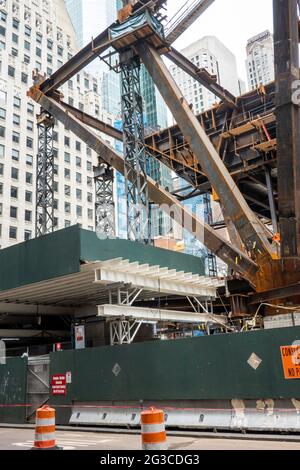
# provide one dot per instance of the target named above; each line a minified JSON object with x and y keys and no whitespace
{"x":251,"y":230}
{"x":232,"y":256}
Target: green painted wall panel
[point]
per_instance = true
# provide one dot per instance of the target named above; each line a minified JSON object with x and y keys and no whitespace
{"x":13,"y":383}
{"x":59,"y":254}
{"x":205,"y":368}
{"x":94,"y":249}
{"x":40,"y":259}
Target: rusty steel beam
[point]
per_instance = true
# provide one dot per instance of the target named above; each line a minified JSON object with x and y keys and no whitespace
{"x":281,"y":293}
{"x":80,"y":60}
{"x":286,"y":38}
{"x":204,"y":78}
{"x":184,"y":18}
{"x":251,"y":230}
{"x":93,"y":122}
{"x":234,"y":258}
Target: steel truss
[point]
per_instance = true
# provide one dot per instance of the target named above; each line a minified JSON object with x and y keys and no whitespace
{"x":44,"y":212}
{"x":136,"y":189}
{"x":104,"y":201}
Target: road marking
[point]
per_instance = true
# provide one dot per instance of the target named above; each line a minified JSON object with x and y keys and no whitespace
{"x":67,"y":444}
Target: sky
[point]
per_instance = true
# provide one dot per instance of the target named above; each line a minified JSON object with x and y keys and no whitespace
{"x":232,"y":21}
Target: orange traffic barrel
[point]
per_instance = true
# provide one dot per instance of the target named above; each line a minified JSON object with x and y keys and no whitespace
{"x":153,"y":430}
{"x":45,"y":429}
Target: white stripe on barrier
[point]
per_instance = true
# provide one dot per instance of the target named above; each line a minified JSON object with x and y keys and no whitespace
{"x":45,"y":422}
{"x":45,"y":437}
{"x":162,"y":446}
{"x":152,"y":428}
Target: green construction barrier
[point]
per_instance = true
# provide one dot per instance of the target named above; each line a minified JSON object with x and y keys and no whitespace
{"x":205,"y":368}
{"x":13,"y":382}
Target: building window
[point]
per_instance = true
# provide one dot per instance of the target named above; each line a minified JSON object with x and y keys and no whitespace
{"x":67,"y":157}
{"x":78,"y":162}
{"x":2,"y":113}
{"x":29,"y":178}
{"x":89,"y":181}
{"x":67,"y":190}
{"x":11,"y":71}
{"x":1,"y":188}
{"x":15,"y":23}
{"x":79,"y":211}
{"x":16,"y":137}
{"x":29,"y":142}
{"x":14,"y":173}
{"x":27,"y":45}
{"x":78,"y":146}
{"x":90,"y":213}
{"x":67,"y":208}
{"x":29,"y":160}
{"x":15,"y":155}
{"x":39,"y":38}
{"x":28,"y":216}
{"x":26,"y":59}
{"x":60,"y":51}
{"x":49,"y":44}
{"x":30,"y":125}
{"x":24,"y":77}
{"x":89,"y":197}
{"x":67,"y":141}
{"x":27,"y":31}
{"x":13,"y":233}
{"x":14,"y":192}
{"x":38,"y":52}
{"x":2,"y":131}
{"x":13,"y":212}
{"x":27,"y":235}
{"x":16,"y":119}
{"x":78,"y":178}
{"x":89,"y":166}
{"x":67,"y":173}
{"x":28,"y":196}
{"x":2,"y":31}
{"x":30,"y":108}
{"x":14,"y":52}
{"x":3,"y":16}
{"x":67,"y":223}
{"x":78,"y":194}
{"x":15,"y":38}
{"x":1,"y":169}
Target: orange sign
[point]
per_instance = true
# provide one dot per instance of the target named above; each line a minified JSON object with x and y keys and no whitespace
{"x":290,"y":356}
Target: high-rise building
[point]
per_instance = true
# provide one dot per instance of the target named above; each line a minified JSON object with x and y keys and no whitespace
{"x":260,"y":60}
{"x":211,"y":54}
{"x":38,"y":34}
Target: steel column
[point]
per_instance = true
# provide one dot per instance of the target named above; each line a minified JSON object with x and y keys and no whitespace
{"x":136,"y":189}
{"x":236,"y":259}
{"x":44,"y":211}
{"x":286,"y":37}
{"x":104,"y":204}
{"x":251,"y":230}
{"x":271,"y":200}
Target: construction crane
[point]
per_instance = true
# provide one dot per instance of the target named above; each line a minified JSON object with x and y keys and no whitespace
{"x":272,"y":274}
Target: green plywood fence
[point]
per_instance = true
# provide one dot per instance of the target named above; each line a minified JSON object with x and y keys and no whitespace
{"x":205,"y":368}
{"x":13,"y":383}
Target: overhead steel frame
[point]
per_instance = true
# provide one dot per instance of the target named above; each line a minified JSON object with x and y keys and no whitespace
{"x":44,"y":211}
{"x":253,"y":233}
{"x":136,"y":188}
{"x":104,"y":201}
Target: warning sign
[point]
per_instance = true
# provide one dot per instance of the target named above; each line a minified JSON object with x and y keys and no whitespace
{"x":291,"y":361}
{"x":59,"y":384}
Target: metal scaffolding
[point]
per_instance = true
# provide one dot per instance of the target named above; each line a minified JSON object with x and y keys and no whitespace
{"x":136,"y":189}
{"x":104,"y":201}
{"x":208,"y":217}
{"x":44,"y":214}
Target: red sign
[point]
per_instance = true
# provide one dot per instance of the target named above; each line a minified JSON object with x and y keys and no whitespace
{"x":59,"y":384}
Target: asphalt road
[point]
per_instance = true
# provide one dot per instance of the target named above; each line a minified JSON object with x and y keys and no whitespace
{"x":22,"y":439}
